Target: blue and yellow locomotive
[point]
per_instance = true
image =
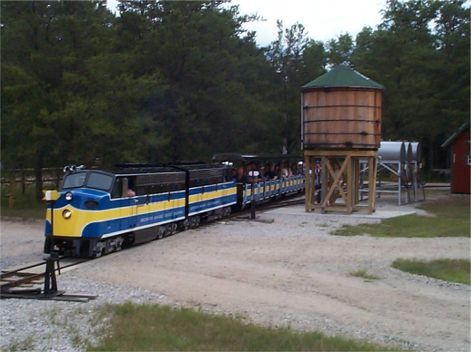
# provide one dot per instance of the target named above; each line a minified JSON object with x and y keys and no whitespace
{"x":97,"y":212}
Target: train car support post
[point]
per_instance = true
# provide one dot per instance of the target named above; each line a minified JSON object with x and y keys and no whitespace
{"x":253,"y":175}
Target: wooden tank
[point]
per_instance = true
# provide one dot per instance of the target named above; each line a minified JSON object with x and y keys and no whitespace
{"x":341,"y":110}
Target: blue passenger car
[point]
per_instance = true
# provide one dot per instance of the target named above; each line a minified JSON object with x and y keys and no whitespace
{"x":262,"y":178}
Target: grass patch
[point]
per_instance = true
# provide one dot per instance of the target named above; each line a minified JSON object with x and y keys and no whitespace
{"x":452,"y":270}
{"x":363,"y":273}
{"x":22,"y":345}
{"x":37,"y":213}
{"x":25,"y":206}
{"x":156,"y":328}
{"x":451,"y":219}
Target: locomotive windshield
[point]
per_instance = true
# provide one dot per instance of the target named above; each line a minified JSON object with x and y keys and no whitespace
{"x":75,"y":180}
{"x":88,"y":179}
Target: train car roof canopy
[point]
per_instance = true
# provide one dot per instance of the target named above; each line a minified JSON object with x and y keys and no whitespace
{"x":253,"y":157}
{"x":342,"y":76}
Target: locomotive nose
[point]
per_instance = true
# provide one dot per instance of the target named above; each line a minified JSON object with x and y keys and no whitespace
{"x":63,"y":214}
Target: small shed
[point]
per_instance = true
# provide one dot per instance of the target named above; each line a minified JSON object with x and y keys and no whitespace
{"x":459,"y":143}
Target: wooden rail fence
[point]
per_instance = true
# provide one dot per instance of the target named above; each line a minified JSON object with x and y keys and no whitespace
{"x":11,"y":179}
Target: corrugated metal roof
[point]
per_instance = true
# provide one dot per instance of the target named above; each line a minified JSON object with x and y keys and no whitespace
{"x":343,"y":76}
{"x":455,"y":134}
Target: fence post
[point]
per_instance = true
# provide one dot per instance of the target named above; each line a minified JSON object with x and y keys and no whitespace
{"x":11,"y":194}
{"x":23,"y":181}
{"x":58,"y":177}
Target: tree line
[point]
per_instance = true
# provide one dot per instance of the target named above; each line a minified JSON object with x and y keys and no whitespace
{"x":160,"y":81}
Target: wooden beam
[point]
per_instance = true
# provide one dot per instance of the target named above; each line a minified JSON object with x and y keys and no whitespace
{"x":308,"y":190}
{"x":324,"y":180}
{"x":371,"y":184}
{"x":331,"y":180}
{"x":373,"y":189}
{"x":336,"y":181}
{"x":332,"y":173}
{"x":356,"y":190}
{"x":350,"y":186}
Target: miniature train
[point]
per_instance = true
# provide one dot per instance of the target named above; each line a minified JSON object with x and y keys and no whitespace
{"x":98,"y":212}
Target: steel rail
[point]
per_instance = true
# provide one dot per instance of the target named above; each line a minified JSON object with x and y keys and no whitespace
{"x":28,"y":277}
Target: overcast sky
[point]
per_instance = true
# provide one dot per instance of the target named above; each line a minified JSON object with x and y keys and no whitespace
{"x":323,"y":19}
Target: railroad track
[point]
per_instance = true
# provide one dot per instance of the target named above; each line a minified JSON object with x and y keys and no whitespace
{"x":283,"y":202}
{"x":30,"y":282}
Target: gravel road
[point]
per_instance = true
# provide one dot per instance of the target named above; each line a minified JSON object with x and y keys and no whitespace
{"x":285,"y":270}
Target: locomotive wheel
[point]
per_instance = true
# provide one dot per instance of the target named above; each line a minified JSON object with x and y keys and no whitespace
{"x":160,"y":232}
{"x":167,"y":230}
{"x":173,"y":229}
{"x":184,"y":225}
{"x":115,"y":244}
{"x":99,"y":250}
{"x":156,"y":234}
{"x":195,"y":221}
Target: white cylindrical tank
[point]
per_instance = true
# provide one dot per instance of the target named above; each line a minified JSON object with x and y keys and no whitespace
{"x":392,"y":151}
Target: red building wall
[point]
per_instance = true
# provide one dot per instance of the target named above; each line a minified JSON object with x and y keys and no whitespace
{"x":460,"y":149}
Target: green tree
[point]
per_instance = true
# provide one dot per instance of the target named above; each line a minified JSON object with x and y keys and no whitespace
{"x":215,"y":78}
{"x":340,"y":50}
{"x":293,"y":56}
{"x":64,"y":91}
{"x":421,"y":54}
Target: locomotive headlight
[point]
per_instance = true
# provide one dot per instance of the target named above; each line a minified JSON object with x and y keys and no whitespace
{"x":66,"y":214}
{"x":68,"y":196}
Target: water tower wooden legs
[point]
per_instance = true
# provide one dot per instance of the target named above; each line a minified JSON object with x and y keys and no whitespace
{"x":338,"y":180}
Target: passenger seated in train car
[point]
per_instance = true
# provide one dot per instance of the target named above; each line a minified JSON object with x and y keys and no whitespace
{"x":253,"y":169}
{"x":301,"y":168}
{"x":277,"y":171}
{"x":131,"y":187}
{"x":130,"y":193}
{"x":261,"y":170}
{"x":234,"y":174}
{"x":269,"y":171}
{"x":241,"y":177}
{"x":123,"y":187}
{"x":295,"y":169}
{"x":285,"y":170}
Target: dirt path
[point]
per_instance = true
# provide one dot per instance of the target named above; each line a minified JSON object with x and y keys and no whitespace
{"x":292,"y":272}
{"x":21,"y":242}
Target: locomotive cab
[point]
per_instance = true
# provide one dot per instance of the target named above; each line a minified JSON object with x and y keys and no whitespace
{"x":82,"y":194}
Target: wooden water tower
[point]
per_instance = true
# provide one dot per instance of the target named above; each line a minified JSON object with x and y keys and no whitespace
{"x":341,"y":128}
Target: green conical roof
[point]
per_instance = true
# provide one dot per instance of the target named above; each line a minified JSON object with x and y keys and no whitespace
{"x":343,"y":76}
